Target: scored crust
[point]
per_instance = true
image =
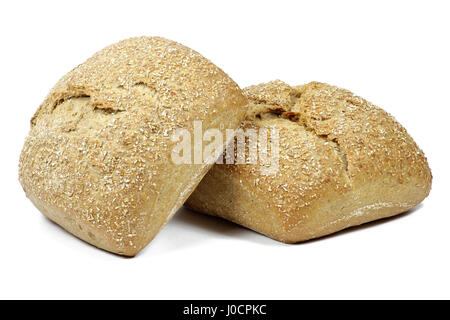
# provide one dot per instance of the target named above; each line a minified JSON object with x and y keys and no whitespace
{"x":342,"y":162}
{"x":97,"y":158}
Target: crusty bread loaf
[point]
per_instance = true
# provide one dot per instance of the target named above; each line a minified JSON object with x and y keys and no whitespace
{"x":343,"y":162}
{"x":97,"y":158}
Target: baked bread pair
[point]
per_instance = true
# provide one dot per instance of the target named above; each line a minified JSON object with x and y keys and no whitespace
{"x":97,"y":160}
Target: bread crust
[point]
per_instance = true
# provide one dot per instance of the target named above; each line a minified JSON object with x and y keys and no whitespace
{"x":343,"y":162}
{"x":97,"y":158}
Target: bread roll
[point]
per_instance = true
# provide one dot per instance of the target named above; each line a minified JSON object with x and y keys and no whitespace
{"x":97,"y":158}
{"x":342,"y":162}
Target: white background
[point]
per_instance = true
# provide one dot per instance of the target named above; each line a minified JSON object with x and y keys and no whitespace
{"x":393,"y":53}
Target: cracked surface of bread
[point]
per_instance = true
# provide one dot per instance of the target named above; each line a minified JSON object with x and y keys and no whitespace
{"x":343,"y":162}
{"x":97,"y":158}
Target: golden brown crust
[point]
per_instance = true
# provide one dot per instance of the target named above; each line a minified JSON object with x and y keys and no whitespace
{"x":97,"y":159}
{"x":343,"y":161}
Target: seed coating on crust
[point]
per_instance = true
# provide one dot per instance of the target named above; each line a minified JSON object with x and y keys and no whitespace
{"x":98,"y":152}
{"x":333,"y":144}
